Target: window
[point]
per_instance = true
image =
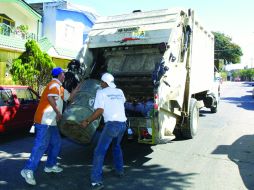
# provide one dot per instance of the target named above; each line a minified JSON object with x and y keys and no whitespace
{"x":69,"y":32}
{"x":25,"y":96}
{"x":6,"y":98}
{"x":6,"y":25}
{"x":6,"y":20}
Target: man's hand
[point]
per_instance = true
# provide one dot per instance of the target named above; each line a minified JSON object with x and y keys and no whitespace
{"x":74,"y":92}
{"x":58,"y":116}
{"x":91,"y":118}
{"x":85,"y":123}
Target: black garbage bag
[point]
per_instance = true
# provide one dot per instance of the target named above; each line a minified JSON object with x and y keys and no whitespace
{"x":80,"y":108}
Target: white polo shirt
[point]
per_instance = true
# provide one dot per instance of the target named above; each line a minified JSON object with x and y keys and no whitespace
{"x":112,"y":101}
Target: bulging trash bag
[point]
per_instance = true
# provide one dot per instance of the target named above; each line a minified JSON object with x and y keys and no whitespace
{"x":80,"y":108}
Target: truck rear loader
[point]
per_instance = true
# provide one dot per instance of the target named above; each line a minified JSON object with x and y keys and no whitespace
{"x":163,"y":60}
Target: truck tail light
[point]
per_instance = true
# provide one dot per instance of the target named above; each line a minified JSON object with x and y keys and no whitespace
{"x":156,"y":101}
{"x":144,"y":134}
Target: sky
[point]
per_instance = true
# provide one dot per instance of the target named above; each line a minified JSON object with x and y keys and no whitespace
{"x":234,"y":18}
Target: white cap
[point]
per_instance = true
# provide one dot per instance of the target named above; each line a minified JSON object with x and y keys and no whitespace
{"x":109,"y":79}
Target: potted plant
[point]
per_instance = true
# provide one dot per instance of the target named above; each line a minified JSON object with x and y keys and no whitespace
{"x":23,"y":30}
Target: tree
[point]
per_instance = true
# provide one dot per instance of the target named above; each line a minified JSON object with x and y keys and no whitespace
{"x":247,"y":74}
{"x":33,"y":67}
{"x":226,"y":50}
{"x":223,"y":75}
{"x":236,"y":73}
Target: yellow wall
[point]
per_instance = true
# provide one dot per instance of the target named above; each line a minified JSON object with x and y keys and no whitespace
{"x":8,"y":56}
{"x":61,"y":62}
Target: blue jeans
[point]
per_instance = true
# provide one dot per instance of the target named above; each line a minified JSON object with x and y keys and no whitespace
{"x":47,"y":139}
{"x":113,"y":131}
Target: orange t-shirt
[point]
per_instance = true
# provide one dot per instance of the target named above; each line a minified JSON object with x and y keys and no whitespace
{"x":45,"y":113}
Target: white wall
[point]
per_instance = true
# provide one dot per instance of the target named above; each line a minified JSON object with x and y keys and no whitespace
{"x":69,"y":34}
{"x":49,"y":22}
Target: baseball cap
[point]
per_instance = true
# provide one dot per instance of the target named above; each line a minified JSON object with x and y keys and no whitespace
{"x":109,"y":79}
{"x":56,"y":71}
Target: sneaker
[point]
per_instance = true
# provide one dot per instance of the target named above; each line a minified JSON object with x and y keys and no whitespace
{"x":54,"y":169}
{"x":97,"y":186}
{"x":29,"y":176}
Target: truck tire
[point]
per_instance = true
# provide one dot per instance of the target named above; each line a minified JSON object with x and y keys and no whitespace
{"x":189,"y":129}
{"x":178,"y":133}
{"x":214,"y":108}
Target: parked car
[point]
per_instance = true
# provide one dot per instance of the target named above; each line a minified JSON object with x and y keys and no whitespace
{"x":17,"y":107}
{"x":237,"y":79}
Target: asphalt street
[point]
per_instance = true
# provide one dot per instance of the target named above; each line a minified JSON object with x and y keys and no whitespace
{"x":221,"y":156}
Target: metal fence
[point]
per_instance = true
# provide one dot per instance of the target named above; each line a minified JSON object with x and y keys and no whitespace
{"x":7,"y":30}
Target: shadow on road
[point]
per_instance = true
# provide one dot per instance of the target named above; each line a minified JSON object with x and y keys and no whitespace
{"x":205,"y":111}
{"x":249,"y":83}
{"x":76,"y":161}
{"x":9,"y":137}
{"x":241,"y":152}
{"x":242,"y":102}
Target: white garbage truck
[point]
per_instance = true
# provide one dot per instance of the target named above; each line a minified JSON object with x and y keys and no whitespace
{"x":163,"y":60}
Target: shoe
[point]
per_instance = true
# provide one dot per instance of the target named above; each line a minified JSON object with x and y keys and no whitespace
{"x":29,"y":176}
{"x":97,"y":186}
{"x":54,"y":169}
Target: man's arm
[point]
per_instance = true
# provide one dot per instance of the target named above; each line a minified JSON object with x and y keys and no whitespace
{"x":68,"y":97}
{"x":97,"y":113}
{"x":74,"y":92}
{"x":52,"y":102}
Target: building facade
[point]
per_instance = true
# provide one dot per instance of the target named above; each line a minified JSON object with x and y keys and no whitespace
{"x":66,"y":25}
{"x":59,"y":27}
{"x":18,"y":23}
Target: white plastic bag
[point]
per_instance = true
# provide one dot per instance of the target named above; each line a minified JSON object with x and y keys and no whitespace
{"x":32,"y":130}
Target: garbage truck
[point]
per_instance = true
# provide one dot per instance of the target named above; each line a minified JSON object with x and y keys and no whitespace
{"x":163,"y":60}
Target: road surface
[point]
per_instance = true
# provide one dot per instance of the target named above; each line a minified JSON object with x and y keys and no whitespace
{"x":220,"y":157}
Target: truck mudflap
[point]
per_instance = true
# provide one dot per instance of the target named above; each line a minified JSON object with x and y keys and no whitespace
{"x":80,"y":108}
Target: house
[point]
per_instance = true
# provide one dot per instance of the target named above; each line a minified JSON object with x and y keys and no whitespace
{"x":65,"y":25}
{"x":18,"y":23}
{"x":59,"y":27}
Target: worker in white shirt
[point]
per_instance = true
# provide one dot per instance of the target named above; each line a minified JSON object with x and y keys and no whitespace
{"x":109,"y":102}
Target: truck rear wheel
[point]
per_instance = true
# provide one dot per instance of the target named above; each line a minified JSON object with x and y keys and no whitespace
{"x":189,"y":130}
{"x":214,"y":108}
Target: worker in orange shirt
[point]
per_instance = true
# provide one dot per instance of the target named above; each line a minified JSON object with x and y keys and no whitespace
{"x":48,"y":138}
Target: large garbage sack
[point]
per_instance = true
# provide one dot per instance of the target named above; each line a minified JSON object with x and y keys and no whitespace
{"x":80,"y":108}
